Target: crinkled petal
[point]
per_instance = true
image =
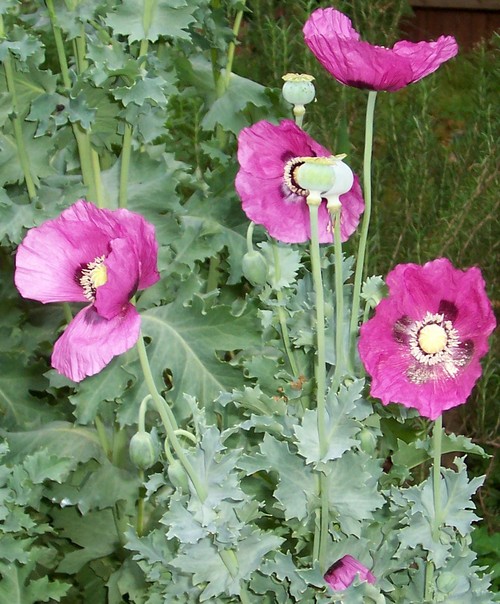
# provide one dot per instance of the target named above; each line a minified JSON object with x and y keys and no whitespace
{"x":414,"y":291}
{"x":90,"y":342}
{"x":263,"y":151}
{"x":122,"y":267}
{"x":50,"y":258}
{"x":341,"y":574}
{"x":123,"y":224}
{"x":353,"y":62}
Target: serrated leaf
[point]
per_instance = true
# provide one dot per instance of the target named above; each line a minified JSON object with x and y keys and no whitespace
{"x":341,"y":425}
{"x":149,"y":89}
{"x":283,"y":264}
{"x":61,"y":439}
{"x":354,"y":501}
{"x":227,"y":110}
{"x":297,"y":483}
{"x":18,"y":406}
{"x":94,"y":533}
{"x":418,"y":451}
{"x":17,"y":588}
{"x":185,"y":340}
{"x":168,"y":18}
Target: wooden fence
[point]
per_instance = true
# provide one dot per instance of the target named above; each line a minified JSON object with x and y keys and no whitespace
{"x":468,"y":20}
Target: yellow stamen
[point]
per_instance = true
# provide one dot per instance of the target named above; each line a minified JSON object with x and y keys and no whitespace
{"x":432,"y":338}
{"x":95,"y":275}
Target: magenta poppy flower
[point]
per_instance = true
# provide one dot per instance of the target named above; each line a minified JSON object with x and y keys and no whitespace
{"x":336,"y":45}
{"x":343,"y":572}
{"x":423,"y":345}
{"x":268,"y":156}
{"x":90,"y":255}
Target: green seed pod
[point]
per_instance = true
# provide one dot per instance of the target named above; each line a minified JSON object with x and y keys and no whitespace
{"x":255,"y":267}
{"x":298,"y":88}
{"x":143,"y":450}
{"x":177,"y":476}
{"x":316,"y":174}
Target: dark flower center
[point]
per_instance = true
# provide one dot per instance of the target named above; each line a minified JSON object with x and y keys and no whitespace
{"x":289,"y":171}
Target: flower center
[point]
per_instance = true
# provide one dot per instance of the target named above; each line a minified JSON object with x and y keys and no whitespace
{"x":432,"y":338}
{"x":93,"y":276}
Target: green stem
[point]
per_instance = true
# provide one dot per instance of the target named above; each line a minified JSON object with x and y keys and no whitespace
{"x":436,"y":475}
{"x":437,"y":433}
{"x":339,"y":303}
{"x":82,"y":138}
{"x":68,"y":315}
{"x":125,"y":165}
{"x":367,"y":190}
{"x":103,"y":437}
{"x":232,"y":46}
{"x":168,"y":420}
{"x":96,"y":168}
{"x":147,"y":19}
{"x":213,"y":274}
{"x":230,"y":561}
{"x":313,"y":201}
{"x":282,"y":316}
{"x":16,"y":121}
{"x":139,"y":523}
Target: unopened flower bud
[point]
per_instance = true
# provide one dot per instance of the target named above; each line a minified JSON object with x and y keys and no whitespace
{"x":298,"y":88}
{"x":177,"y":476}
{"x":367,"y":441}
{"x":143,"y":450}
{"x":254,"y":267}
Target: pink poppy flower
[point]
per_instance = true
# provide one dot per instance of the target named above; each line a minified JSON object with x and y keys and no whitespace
{"x":343,"y":572}
{"x":268,"y":155}
{"x":90,"y":255}
{"x":336,"y":45}
{"x":423,"y":345}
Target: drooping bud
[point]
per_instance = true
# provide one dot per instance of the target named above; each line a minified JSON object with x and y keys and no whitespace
{"x":255,"y":267}
{"x":143,"y":450}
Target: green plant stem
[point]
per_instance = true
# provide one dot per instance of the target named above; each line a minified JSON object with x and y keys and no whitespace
{"x":339,"y":303}
{"x":139,"y":523}
{"x":244,"y":596}
{"x":147,"y":19}
{"x":232,"y":45}
{"x":68,"y":315}
{"x":367,"y":190}
{"x":320,"y":369}
{"x":16,"y":120}
{"x":282,"y":316}
{"x":125,"y":166}
{"x":168,"y":420}
{"x":103,"y":437}
{"x":213,"y":274}
{"x":82,"y":138}
{"x":437,"y":433}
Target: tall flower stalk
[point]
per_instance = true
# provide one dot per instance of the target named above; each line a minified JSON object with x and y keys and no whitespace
{"x":365,"y":224}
